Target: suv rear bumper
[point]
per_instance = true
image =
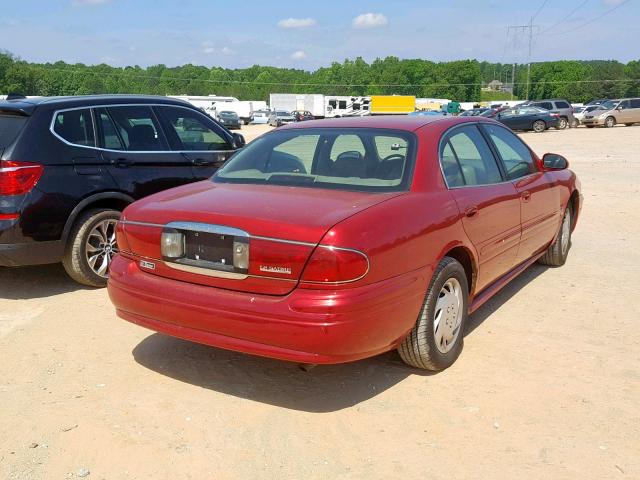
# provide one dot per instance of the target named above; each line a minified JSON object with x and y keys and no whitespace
{"x":34,"y":253}
{"x":307,"y":326}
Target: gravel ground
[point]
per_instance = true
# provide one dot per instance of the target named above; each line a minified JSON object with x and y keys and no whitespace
{"x":548,"y":384}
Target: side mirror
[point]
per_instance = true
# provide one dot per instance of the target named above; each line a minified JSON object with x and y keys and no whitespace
{"x":619,"y":107}
{"x":238,"y":141}
{"x":553,"y":161}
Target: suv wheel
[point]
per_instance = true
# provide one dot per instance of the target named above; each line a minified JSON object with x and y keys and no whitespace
{"x":609,"y":122}
{"x":562,"y":123}
{"x":91,"y":247}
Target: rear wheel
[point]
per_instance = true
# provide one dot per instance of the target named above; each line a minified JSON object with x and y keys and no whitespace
{"x":91,"y":247}
{"x":562,"y":123}
{"x":556,"y":254}
{"x":539,"y":126}
{"x":609,"y":122}
{"x":435,"y":341}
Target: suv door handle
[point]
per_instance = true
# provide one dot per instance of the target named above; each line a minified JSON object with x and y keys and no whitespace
{"x":199,"y":162}
{"x":121,"y":162}
{"x":471,"y":211}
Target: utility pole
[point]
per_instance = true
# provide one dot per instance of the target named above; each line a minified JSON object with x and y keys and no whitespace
{"x":524,"y":29}
{"x":513,"y":75}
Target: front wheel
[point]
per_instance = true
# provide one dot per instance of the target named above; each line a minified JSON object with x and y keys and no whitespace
{"x":609,"y":122}
{"x":556,"y":254}
{"x":539,"y":126}
{"x":91,"y":247}
{"x":435,"y":341}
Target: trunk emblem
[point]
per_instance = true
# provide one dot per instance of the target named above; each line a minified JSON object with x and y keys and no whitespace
{"x":148,"y":265}
{"x":281,"y":270}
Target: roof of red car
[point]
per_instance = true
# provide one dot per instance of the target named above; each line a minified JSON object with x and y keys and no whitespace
{"x":399,"y":122}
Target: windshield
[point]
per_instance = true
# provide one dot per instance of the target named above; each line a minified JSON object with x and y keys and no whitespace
{"x":608,"y":105}
{"x":363,"y":159}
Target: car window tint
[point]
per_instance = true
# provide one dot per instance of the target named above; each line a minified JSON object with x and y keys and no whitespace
{"x":138,"y":128}
{"x":302,"y":148}
{"x":10,"y":127}
{"x":476,"y":161}
{"x":515,"y":155}
{"x":625,"y":104}
{"x":75,"y":126}
{"x":545,"y":105}
{"x":346,"y":143}
{"x":562,"y":105}
{"x":107,"y":135}
{"x":192,"y":131}
{"x":635,"y":103}
{"x":387,"y":146}
{"x":451,"y":167}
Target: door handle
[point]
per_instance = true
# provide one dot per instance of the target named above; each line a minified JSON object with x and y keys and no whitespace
{"x":526,"y":196}
{"x":471,"y":211}
{"x":199,"y":162}
{"x":121,"y":162}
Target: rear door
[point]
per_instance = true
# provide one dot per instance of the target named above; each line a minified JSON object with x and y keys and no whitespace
{"x":539,"y":198}
{"x":634,"y":110}
{"x":203,"y":143}
{"x":490,"y":205}
{"x":137,"y":151}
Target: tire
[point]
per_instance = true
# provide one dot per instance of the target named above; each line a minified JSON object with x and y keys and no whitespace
{"x":92,"y":236}
{"x":589,"y":126}
{"x":609,"y":122}
{"x":628,"y":124}
{"x":562,"y":123}
{"x":556,"y":254}
{"x":420,"y":348}
{"x":575,"y":123}
{"x":539,"y":126}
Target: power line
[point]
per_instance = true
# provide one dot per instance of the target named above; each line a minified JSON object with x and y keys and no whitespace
{"x":565,"y":18}
{"x":607,"y":12}
{"x":539,"y":10}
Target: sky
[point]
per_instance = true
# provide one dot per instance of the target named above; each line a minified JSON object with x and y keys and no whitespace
{"x":310,"y":34}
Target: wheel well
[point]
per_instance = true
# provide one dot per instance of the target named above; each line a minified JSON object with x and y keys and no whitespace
{"x":116,"y":202}
{"x":463,"y":256}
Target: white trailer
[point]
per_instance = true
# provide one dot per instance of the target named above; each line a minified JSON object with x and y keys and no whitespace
{"x":346,"y":106}
{"x":289,"y":102}
{"x":204,"y":102}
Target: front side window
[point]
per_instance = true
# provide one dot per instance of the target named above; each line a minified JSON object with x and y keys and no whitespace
{"x":75,"y":126}
{"x":515,"y":155}
{"x":466,"y":148}
{"x":337,"y":158}
{"x":190,"y":132}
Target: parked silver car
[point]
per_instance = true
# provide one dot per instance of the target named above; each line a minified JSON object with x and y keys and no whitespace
{"x":280,"y":117}
{"x":624,"y":110}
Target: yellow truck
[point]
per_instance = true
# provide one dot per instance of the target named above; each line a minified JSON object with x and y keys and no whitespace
{"x":392,"y":104}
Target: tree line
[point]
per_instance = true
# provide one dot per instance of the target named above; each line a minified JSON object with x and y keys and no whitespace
{"x":461,"y":80}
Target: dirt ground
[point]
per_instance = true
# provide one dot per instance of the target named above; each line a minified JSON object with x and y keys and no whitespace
{"x":548,"y":384}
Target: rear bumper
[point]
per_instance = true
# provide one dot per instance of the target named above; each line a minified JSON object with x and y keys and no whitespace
{"x":308,"y":326}
{"x":34,"y":253}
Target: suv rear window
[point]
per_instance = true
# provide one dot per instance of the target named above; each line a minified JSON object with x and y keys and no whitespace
{"x":75,"y":126}
{"x":562,"y":105}
{"x":10,"y":127}
{"x":364,"y":159}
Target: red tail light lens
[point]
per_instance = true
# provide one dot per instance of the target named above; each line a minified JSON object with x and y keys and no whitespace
{"x":335,"y":265}
{"x":18,"y":178}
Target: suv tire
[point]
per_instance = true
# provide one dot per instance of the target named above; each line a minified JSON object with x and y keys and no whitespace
{"x":562,"y":123}
{"x":90,"y":247}
{"x":446,"y":298}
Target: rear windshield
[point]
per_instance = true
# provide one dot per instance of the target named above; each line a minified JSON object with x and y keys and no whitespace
{"x":338,"y":158}
{"x":10,"y":127}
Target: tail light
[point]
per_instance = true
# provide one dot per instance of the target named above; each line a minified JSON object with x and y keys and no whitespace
{"x":18,"y":178}
{"x":335,"y":265}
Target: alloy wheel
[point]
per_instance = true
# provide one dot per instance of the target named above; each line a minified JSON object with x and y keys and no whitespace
{"x":101,"y":247}
{"x":566,"y":232}
{"x":448,"y":315}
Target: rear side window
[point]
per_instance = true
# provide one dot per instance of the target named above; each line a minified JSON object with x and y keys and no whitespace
{"x":75,"y":126}
{"x":635,"y":103}
{"x":10,"y":127}
{"x":138,"y":129}
{"x":515,"y":155}
{"x":476,"y":164}
{"x":188,"y":130}
{"x":562,"y":105}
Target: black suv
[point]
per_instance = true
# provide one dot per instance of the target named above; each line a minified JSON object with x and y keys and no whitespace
{"x":70,"y":165}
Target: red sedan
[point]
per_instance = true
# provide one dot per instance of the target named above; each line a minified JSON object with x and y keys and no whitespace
{"x":334,"y":240}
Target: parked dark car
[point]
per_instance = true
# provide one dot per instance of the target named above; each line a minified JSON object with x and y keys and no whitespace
{"x":492,"y":112}
{"x":474,"y":112}
{"x":70,"y":165}
{"x":560,"y":106}
{"x":528,"y":118}
{"x":302,"y":115}
{"x":229,"y":120}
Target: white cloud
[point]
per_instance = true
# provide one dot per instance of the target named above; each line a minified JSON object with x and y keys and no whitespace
{"x":90,"y":2}
{"x":208,"y":47}
{"x":298,"y":55}
{"x":296,"y":23}
{"x":369,"y":20}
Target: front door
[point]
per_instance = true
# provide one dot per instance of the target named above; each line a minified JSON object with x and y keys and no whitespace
{"x":539,"y":199}
{"x":135,"y":147}
{"x":490,"y":205}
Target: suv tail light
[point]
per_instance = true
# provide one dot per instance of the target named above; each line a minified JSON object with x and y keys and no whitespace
{"x":18,"y":178}
{"x":335,"y":265}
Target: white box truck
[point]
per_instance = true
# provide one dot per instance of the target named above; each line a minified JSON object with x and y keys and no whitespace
{"x":289,"y":102}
